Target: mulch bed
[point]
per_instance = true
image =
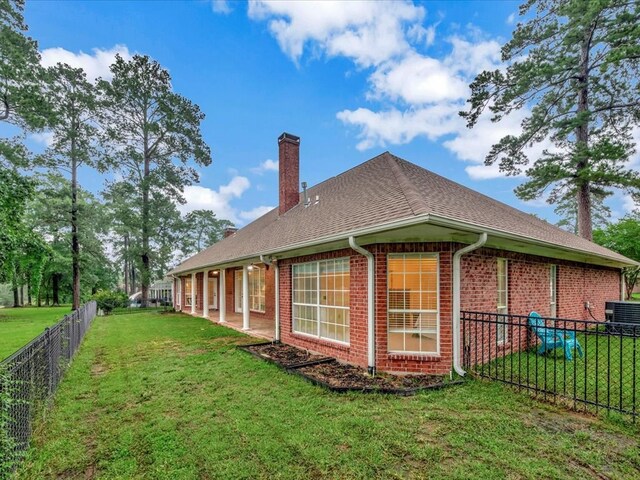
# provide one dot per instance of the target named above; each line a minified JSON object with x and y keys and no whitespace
{"x":284,"y":355}
{"x":340,"y":377}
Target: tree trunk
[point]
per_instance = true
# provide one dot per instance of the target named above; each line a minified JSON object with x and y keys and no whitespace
{"x":16,"y":296}
{"x":126,"y":263}
{"x":55,"y":279}
{"x":75,"y":243}
{"x":28,"y":290}
{"x":145,"y":227}
{"x":582,"y":141}
{"x":22,"y":295}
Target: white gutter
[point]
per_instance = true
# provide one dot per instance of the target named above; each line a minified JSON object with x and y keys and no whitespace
{"x":371,"y":321}
{"x":416,"y":220}
{"x":482,"y":239}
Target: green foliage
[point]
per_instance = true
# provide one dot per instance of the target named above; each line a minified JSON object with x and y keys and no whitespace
{"x":623,"y":237}
{"x":574,"y":64}
{"x":108,"y":300}
{"x":49,"y":214}
{"x":201,"y":230}
{"x":21,"y":81}
{"x":151,"y":134}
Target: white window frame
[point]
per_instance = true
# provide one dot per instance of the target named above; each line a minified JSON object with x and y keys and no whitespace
{"x":257,"y":289}
{"x":435,"y":255}
{"x":318,"y":305}
{"x":179,"y":293}
{"x":187,"y":293}
{"x":502,"y":332}
{"x":553,"y":290}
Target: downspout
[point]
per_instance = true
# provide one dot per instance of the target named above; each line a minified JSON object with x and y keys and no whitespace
{"x":371,"y":335}
{"x":482,"y":239}
{"x":276,"y":337}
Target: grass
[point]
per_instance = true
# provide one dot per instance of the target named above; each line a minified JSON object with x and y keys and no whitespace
{"x":18,"y":326}
{"x":169,"y":396}
{"x":605,"y":375}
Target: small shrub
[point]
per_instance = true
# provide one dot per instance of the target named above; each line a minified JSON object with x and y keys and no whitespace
{"x":107,"y":300}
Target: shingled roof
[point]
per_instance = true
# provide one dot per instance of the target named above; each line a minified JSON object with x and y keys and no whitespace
{"x":378,"y":192}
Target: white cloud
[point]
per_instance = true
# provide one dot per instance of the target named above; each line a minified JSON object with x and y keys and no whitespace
{"x":95,"y":65}
{"x":251,"y":215}
{"x":394,"y":126}
{"x":219,"y":201}
{"x":628,"y":203}
{"x":417,"y":79}
{"x":266,"y":166}
{"x":44,"y":138}
{"x":221,"y":6}
{"x":366,"y":32}
{"x":511,"y":19}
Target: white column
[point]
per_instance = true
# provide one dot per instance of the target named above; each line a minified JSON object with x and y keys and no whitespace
{"x":245,"y":297}
{"x":193,"y":293}
{"x":277,"y":280}
{"x":205,"y":294}
{"x":222,"y":298}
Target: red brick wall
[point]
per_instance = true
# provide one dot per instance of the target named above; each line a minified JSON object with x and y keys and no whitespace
{"x":529,"y":290}
{"x":529,"y":284}
{"x":437,"y":364}
{"x":356,"y":351}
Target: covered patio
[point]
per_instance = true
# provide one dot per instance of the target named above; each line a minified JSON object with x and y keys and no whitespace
{"x":258,"y":326}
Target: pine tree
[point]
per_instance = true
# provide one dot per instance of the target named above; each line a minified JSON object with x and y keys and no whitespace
{"x":575,"y":65}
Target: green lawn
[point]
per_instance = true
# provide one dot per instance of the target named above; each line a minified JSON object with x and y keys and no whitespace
{"x":169,"y":396}
{"x":604,"y":375}
{"x":20,"y":325}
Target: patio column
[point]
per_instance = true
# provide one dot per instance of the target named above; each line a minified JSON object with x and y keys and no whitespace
{"x":205,"y":294}
{"x":245,"y":297}
{"x":193,"y":293}
{"x":222,"y":301}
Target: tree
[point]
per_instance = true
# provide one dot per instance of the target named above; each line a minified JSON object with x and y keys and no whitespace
{"x":74,"y":142}
{"x":50,"y":215}
{"x":166,"y":231}
{"x":575,"y":65}
{"x":21,"y":99}
{"x":567,"y":210}
{"x":153,"y":133}
{"x":202,"y":229}
{"x":622,"y":237}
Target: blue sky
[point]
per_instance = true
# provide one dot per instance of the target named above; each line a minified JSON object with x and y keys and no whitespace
{"x":352,"y":79}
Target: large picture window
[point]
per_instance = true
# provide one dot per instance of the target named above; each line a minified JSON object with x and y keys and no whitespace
{"x":321,"y":299}
{"x":256,"y":289}
{"x":413,"y":309}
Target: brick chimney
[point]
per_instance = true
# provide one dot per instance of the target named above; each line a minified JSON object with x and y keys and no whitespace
{"x":227,"y":232}
{"x":289,"y":171}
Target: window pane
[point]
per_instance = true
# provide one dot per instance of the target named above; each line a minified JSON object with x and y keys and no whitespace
{"x":413,"y":303}
{"x":322,"y":288}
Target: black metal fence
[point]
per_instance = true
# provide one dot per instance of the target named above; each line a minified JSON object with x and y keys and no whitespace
{"x":30,"y":376}
{"x":584,"y":364}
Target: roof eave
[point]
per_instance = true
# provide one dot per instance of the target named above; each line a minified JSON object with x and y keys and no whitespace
{"x":404,"y":222}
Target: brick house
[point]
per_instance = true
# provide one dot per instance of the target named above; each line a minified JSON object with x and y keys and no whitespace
{"x":374,"y":266}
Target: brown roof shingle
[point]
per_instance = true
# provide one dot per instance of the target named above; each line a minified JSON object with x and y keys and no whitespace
{"x":379,"y":191}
